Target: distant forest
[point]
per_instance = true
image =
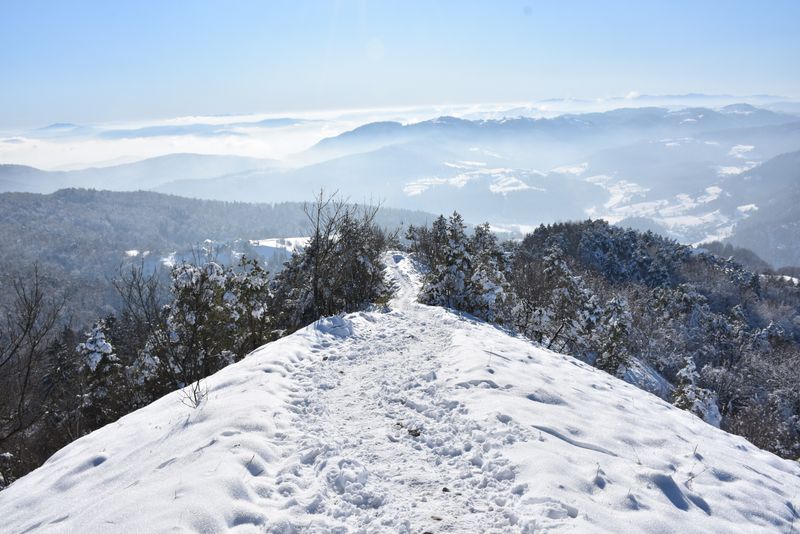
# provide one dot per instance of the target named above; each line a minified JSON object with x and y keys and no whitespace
{"x":78,"y":237}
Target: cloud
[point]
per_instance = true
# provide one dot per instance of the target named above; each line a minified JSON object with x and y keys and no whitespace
{"x":250,"y":136}
{"x":259,"y":135}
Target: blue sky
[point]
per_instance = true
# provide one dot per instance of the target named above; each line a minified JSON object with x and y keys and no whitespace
{"x":81,"y":61}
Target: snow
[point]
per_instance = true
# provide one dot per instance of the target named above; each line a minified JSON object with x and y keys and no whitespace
{"x":507,"y":184}
{"x":682,"y":214}
{"x":783,"y":277}
{"x":408,"y":419}
{"x":620,"y":192}
{"x":501,"y":228}
{"x":170,"y":260}
{"x":747,"y":208}
{"x":417,"y":187}
{"x":576,"y":170}
{"x":465,"y":164}
{"x":503,"y":180}
{"x":290,"y":245}
{"x":485,"y":152}
{"x":739,"y":151}
{"x":95,"y":348}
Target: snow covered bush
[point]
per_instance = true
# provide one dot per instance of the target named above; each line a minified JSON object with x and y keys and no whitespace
{"x":217,"y":315}
{"x":338,"y":271}
{"x":96,"y":350}
{"x":688,"y":395}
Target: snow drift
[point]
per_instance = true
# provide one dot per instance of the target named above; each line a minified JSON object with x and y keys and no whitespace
{"x":413,"y":419}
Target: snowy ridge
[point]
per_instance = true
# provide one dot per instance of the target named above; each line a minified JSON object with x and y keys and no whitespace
{"x":414,"y":419}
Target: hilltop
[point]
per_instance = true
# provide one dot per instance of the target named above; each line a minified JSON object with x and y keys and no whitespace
{"x":410,"y":418}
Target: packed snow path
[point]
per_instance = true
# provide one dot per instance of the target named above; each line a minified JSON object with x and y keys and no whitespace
{"x":401,"y":454}
{"x":410,"y":419}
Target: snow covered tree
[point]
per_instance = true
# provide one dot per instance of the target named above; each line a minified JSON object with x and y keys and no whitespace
{"x":104,"y":376}
{"x":193,"y":337}
{"x":688,"y":395}
{"x":338,"y":271}
{"x":357,"y":273}
{"x":446,"y":283}
{"x":247,"y":300}
{"x":568,"y":306}
{"x":436,"y":246}
{"x":97,"y":353}
{"x":488,"y":293}
{"x":615,"y":328}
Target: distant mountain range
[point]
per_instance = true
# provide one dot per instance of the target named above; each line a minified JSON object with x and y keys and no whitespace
{"x":686,"y":172}
{"x":772,"y":230}
{"x":141,"y":175}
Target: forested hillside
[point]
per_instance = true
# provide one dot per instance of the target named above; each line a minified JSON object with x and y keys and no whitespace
{"x":694,"y":328}
{"x":62,"y":380}
{"x":79,"y":237}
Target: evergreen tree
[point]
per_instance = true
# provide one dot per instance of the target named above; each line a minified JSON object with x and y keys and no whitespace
{"x":66,"y":383}
{"x":488,"y":292}
{"x":104,"y":377}
{"x":569,"y":306}
{"x":438,"y":242}
{"x":446,"y":283}
{"x":247,"y":299}
{"x":194,"y":337}
{"x":615,"y":328}
{"x":339,"y":271}
{"x":690,"y":396}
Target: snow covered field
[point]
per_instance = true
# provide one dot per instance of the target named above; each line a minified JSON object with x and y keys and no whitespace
{"x":280,"y":249}
{"x":412,"y":419}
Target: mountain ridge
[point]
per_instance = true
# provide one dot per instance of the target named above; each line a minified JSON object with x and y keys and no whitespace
{"x":414,"y":418}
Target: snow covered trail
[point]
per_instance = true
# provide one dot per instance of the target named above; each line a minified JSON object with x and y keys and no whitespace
{"x":412,"y":419}
{"x":378,"y":431}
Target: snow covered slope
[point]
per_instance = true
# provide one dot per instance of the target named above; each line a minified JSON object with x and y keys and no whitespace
{"x":413,"y":420}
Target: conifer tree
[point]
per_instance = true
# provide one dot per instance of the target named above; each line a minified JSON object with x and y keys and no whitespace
{"x":488,"y":291}
{"x":104,"y":377}
{"x":690,"y":396}
{"x":247,"y":299}
{"x":446,"y":283}
{"x":615,"y":328}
